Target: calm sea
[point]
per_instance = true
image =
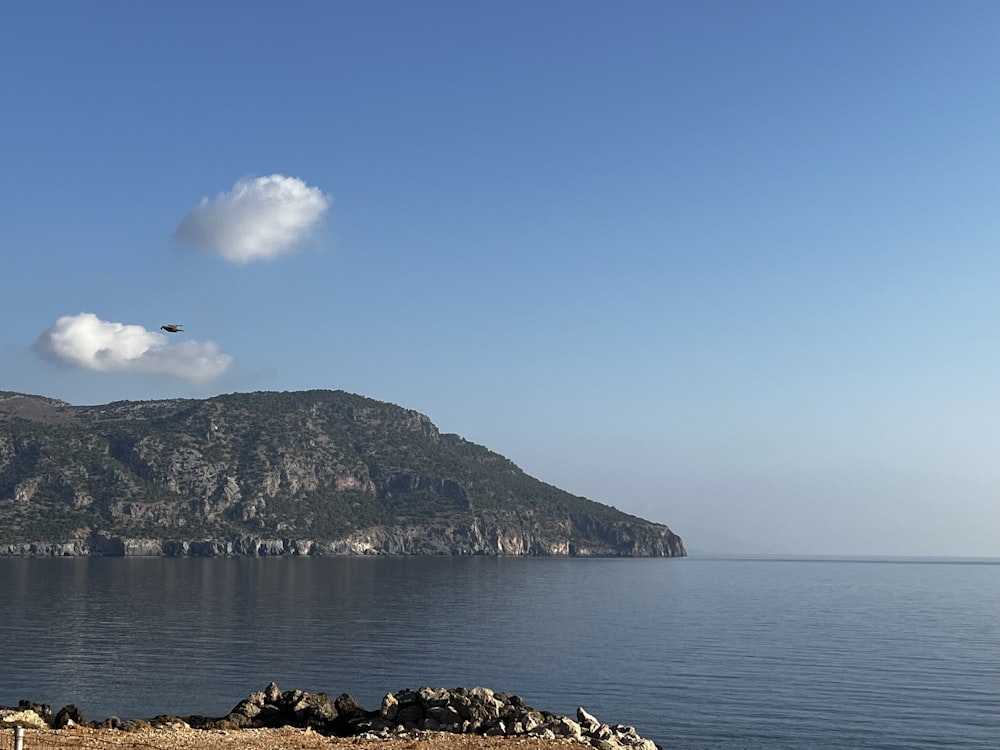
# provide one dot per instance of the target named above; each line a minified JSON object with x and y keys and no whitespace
{"x":696,"y":653}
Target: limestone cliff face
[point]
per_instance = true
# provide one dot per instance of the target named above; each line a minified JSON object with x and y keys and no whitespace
{"x":317,"y":472}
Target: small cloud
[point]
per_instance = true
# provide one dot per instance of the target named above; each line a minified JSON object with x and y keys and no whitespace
{"x":259,"y":219}
{"x":90,"y":343}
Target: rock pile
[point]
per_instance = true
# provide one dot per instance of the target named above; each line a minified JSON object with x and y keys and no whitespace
{"x":466,"y":711}
{"x":39,"y":716}
{"x":478,"y":710}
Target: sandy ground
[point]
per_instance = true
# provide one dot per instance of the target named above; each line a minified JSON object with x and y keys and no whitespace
{"x":182,"y":738}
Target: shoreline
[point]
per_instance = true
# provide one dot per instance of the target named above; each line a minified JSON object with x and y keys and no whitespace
{"x":454,"y":718}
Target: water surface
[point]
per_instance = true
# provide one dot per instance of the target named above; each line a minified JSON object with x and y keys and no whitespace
{"x":696,"y":653}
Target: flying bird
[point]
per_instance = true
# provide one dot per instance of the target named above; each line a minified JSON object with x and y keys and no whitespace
{"x":172,"y":328}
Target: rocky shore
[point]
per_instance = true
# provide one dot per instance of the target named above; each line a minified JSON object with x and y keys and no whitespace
{"x":444,"y":713}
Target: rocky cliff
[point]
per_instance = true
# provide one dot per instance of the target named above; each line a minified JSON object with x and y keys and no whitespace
{"x":315,"y":472}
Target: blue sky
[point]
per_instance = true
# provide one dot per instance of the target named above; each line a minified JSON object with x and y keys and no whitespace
{"x":730,"y":266}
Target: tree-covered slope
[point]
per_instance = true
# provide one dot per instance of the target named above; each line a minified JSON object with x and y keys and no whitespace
{"x":314,"y":472}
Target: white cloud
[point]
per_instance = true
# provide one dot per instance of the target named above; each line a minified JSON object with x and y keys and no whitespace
{"x":259,"y":219}
{"x":90,"y":343}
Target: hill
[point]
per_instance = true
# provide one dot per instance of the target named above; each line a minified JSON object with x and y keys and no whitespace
{"x":307,"y":472}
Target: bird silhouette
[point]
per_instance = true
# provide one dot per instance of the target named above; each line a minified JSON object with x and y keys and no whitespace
{"x":172,"y":328}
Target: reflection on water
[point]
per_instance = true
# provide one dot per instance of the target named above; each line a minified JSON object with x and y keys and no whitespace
{"x":134,"y":637}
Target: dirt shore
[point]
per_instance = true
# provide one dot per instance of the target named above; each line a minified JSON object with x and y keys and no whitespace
{"x":287,"y":738}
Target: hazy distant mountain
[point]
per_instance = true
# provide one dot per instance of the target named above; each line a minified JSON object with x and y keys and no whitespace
{"x":703,"y":542}
{"x":313,"y":472}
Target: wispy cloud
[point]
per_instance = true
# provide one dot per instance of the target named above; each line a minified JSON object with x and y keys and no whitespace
{"x":261,"y":218}
{"x":90,"y":343}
